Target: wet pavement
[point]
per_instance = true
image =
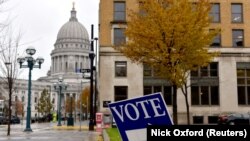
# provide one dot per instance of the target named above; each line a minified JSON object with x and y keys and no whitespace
{"x":48,"y":132}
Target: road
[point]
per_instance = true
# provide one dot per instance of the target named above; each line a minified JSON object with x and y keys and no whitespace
{"x":46,"y":132}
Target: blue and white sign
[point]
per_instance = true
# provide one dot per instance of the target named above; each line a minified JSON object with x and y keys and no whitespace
{"x":133,"y":115}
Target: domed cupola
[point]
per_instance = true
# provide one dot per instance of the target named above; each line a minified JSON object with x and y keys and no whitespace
{"x":72,"y":31}
{"x":72,"y":48}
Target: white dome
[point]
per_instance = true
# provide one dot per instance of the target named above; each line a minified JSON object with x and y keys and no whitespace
{"x":72,"y":31}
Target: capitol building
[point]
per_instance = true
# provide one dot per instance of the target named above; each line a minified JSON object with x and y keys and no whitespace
{"x":70,"y":53}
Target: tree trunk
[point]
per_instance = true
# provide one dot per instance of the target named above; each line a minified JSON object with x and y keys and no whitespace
{"x":10,"y":97}
{"x":187,"y":107}
{"x":185,"y":93}
{"x":175,"y":117}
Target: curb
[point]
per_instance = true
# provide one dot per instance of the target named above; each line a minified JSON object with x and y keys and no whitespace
{"x":105,"y":135}
{"x":64,"y":127}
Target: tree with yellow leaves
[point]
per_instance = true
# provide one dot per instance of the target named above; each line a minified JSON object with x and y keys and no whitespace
{"x":171,"y":36}
{"x":84,"y":100}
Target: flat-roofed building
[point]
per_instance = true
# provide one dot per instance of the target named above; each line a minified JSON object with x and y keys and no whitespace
{"x":225,"y":83}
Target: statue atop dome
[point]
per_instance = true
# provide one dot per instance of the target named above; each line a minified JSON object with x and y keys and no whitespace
{"x":73,"y":13}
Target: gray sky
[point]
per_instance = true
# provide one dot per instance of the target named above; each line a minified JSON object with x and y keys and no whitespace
{"x":40,"y":20}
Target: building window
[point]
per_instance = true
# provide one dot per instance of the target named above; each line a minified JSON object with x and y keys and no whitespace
{"x":216,"y":41}
{"x":166,"y":91}
{"x":119,"y":36}
{"x":147,"y":70}
{"x":243,"y":83}
{"x":238,"y":37}
{"x":212,"y":119}
{"x":147,"y":90}
{"x":157,"y":89}
{"x":121,"y":93}
{"x":35,"y":99}
{"x":168,"y":95}
{"x":119,"y":11}
{"x":120,"y":69}
{"x":150,"y":72}
{"x":208,"y":71}
{"x":198,"y":119}
{"x":205,"y":95}
{"x":215,"y":13}
{"x":237,"y":14}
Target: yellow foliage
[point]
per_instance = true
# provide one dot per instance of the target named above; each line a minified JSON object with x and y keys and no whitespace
{"x":170,"y":35}
{"x":85,"y":97}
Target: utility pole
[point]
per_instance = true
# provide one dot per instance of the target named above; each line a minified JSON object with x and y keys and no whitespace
{"x":91,"y":56}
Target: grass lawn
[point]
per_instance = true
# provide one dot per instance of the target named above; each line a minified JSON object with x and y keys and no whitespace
{"x":113,"y":134}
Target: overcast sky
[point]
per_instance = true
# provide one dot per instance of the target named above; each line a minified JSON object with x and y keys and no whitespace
{"x":40,"y":20}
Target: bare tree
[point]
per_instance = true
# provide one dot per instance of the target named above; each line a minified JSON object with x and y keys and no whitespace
{"x":8,"y":59}
{"x":8,"y":64}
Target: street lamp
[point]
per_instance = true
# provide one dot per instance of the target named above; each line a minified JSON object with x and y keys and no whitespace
{"x":91,"y":56}
{"x":30,"y":64}
{"x":70,"y":119}
{"x":59,"y":86}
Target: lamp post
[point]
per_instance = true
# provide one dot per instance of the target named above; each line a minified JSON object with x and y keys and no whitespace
{"x":59,"y":86}
{"x":30,"y":64}
{"x":91,"y":56}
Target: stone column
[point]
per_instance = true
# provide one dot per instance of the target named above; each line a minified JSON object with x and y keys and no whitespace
{"x":66,"y":61}
{"x":81,"y":61}
{"x":55,"y":63}
{"x":52,"y":65}
{"x":58,"y":64}
{"x":63,"y":64}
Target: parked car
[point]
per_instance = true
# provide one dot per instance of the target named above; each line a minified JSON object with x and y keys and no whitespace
{"x":2,"y":120}
{"x":15,"y":120}
{"x":234,"y":119}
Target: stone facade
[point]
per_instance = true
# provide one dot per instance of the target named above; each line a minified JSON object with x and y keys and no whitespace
{"x":228,"y":62}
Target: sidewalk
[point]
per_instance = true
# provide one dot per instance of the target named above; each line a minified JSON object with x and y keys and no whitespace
{"x":50,"y":131}
{"x":80,"y":126}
